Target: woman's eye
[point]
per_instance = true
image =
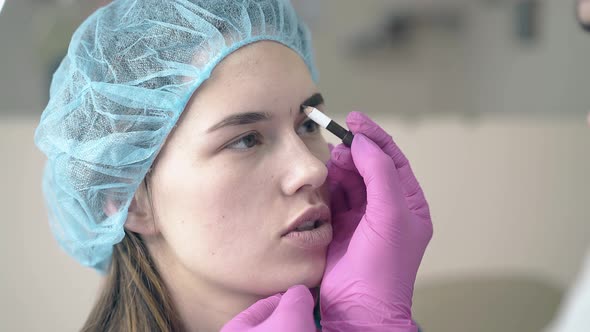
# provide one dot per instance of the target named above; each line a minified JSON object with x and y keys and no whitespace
{"x":245,"y":142}
{"x":251,"y":140}
{"x":310,"y":127}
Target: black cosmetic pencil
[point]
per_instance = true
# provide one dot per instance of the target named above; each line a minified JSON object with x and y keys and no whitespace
{"x":324,"y":121}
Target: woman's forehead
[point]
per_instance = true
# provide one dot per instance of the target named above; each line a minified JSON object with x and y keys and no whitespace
{"x":258,"y":76}
{"x":258,"y":59}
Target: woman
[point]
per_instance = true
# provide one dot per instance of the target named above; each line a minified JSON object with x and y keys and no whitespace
{"x":180,"y":166}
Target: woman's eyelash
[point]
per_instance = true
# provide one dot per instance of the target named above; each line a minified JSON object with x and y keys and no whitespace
{"x":256,"y":136}
{"x":258,"y":139}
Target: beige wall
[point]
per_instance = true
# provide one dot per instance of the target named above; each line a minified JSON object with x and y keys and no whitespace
{"x":41,"y":288}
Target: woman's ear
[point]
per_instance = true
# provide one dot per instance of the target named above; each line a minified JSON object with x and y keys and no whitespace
{"x":139,"y":214}
{"x":140,"y":218}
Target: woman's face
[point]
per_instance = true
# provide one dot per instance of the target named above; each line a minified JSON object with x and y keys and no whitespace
{"x":222,"y":198}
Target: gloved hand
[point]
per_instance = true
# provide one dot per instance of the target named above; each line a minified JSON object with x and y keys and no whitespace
{"x":382,"y":226}
{"x":289,"y":312}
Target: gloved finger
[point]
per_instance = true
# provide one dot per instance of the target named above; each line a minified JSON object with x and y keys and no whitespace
{"x":350,"y":188}
{"x":358,"y":122}
{"x":338,"y":199}
{"x":291,"y":311}
{"x":297,"y":300}
{"x":385,"y":198}
{"x":338,"y":196}
{"x":340,"y":205}
{"x":254,"y":315}
{"x":341,"y":157}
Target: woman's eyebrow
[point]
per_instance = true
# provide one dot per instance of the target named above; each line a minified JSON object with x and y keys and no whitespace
{"x":241,"y":119}
{"x":313,"y":101}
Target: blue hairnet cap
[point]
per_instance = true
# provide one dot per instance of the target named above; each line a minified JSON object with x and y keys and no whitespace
{"x":129,"y":72}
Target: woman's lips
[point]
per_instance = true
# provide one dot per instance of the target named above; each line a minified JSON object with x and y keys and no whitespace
{"x":312,"y":239}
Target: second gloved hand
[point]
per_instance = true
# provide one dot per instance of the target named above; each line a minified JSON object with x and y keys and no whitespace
{"x":382,"y":226}
{"x":289,"y":312}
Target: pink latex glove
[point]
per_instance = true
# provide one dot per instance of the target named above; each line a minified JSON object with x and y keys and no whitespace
{"x":289,"y":312}
{"x":382,"y":226}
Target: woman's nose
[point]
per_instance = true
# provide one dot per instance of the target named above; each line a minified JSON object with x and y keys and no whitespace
{"x":303,"y":169}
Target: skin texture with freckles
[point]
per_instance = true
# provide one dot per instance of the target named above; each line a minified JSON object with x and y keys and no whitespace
{"x":218,"y":209}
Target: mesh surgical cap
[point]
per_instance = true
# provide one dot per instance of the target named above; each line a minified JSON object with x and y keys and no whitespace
{"x":129,"y":72}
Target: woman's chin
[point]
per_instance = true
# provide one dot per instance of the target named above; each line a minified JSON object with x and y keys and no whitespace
{"x":313,"y":278}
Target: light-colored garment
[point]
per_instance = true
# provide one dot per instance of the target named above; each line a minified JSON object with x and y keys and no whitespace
{"x":574,"y":313}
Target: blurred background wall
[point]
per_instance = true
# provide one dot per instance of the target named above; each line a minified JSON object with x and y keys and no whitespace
{"x":488,"y":99}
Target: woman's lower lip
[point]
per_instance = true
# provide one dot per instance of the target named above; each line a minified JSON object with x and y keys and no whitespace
{"x":312,"y":239}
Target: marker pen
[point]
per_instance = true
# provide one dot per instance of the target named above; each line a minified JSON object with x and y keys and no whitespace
{"x":324,"y":121}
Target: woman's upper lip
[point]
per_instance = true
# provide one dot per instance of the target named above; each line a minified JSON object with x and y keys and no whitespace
{"x":317,"y":212}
